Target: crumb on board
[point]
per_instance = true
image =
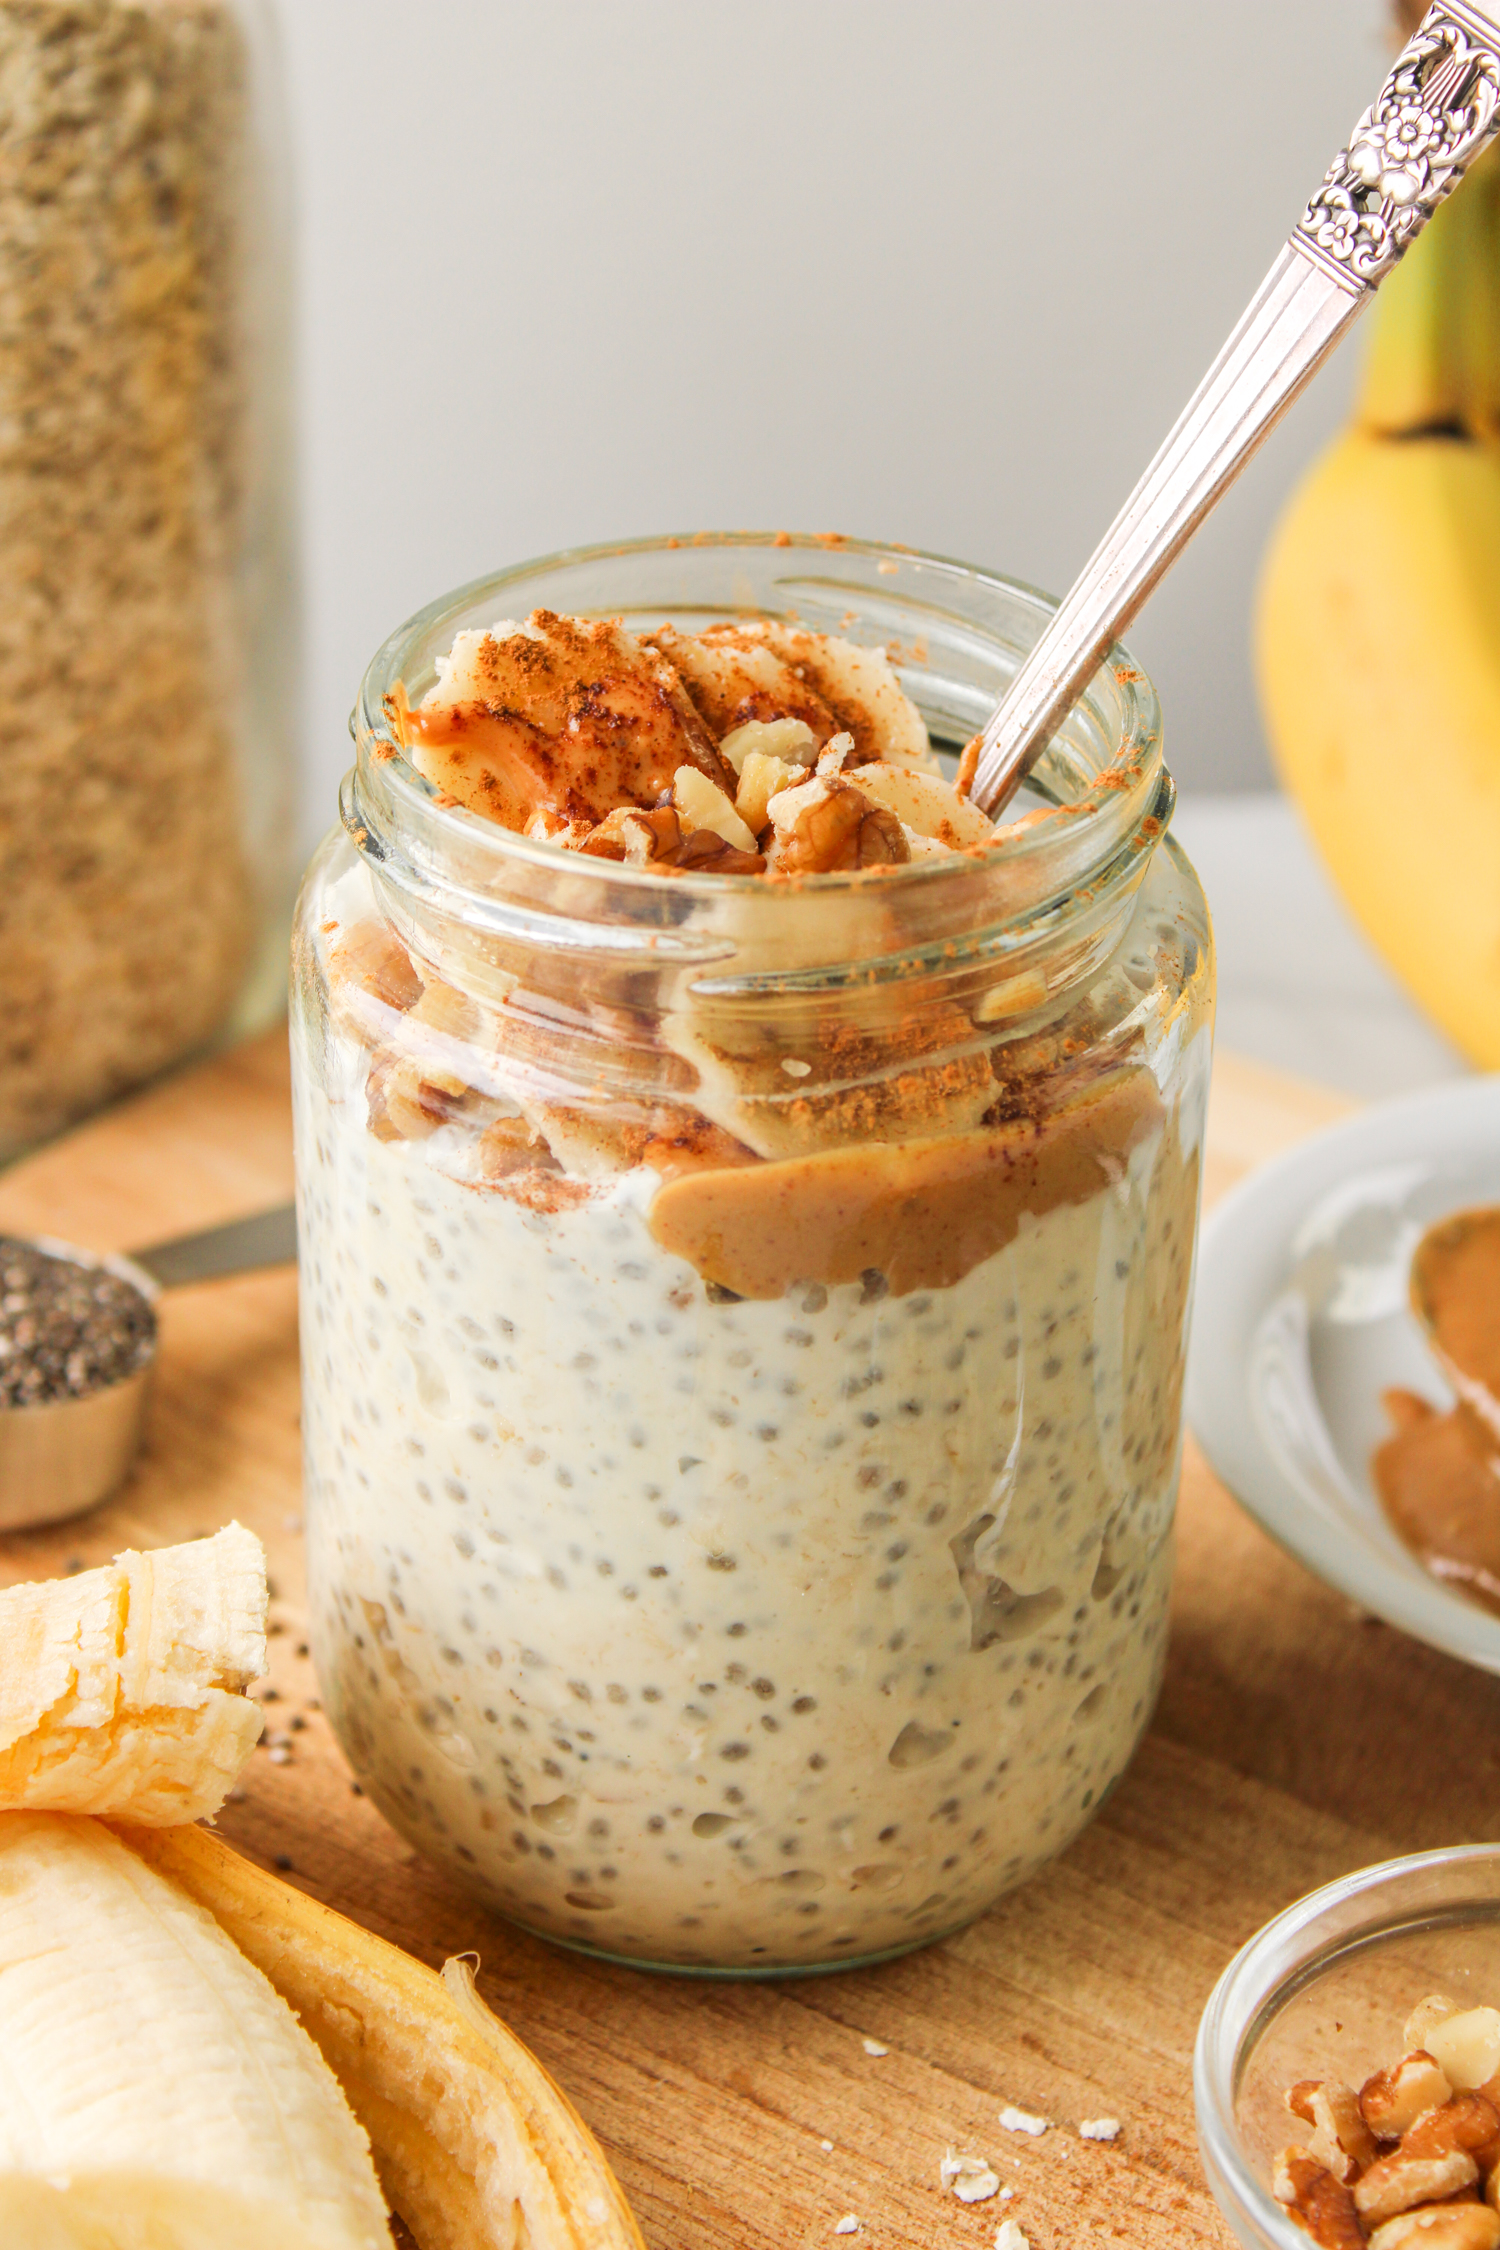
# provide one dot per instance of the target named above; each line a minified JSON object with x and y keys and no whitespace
{"x":1022,"y":2121}
{"x":875,"y":2047}
{"x":970,"y":2177}
{"x":1100,"y":2129}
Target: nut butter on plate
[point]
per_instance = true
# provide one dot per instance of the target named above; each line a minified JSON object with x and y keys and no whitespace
{"x":1438,"y":1474}
{"x":1306,"y":1346}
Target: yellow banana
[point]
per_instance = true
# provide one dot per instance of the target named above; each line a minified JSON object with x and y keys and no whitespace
{"x":1378,"y":631}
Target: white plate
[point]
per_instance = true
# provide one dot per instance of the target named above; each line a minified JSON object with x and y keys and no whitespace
{"x":1301,"y":1320}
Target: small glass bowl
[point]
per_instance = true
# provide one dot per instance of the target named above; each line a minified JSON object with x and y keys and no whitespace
{"x":1322,"y":1992}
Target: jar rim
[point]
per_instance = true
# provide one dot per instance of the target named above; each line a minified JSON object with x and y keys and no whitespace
{"x":1107,"y":794}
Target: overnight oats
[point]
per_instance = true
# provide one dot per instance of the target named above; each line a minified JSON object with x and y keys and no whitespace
{"x":747,"y":1208}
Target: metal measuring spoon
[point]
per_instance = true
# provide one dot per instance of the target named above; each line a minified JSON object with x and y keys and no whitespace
{"x":1439,"y":107}
{"x":63,"y":1455}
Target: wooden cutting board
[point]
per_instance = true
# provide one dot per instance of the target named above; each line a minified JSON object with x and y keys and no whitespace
{"x":1296,"y":1738}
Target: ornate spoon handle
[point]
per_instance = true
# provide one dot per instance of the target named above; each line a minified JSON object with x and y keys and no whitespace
{"x":1436,"y":111}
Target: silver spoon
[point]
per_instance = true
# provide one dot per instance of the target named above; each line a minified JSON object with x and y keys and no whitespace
{"x":66,"y":1454}
{"x":1439,"y":107}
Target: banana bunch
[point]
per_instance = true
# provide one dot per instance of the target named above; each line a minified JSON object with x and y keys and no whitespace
{"x":1378,"y":633}
{"x":193,"y":2055}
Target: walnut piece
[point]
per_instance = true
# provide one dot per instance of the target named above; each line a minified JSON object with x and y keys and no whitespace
{"x":1343,"y":2142}
{"x":1426,"y":2016}
{"x":1392,"y":2101}
{"x":1434,"y":2182}
{"x":702,"y":804}
{"x":1467,"y":2047}
{"x":1319,"y":2203}
{"x":1399,"y":2181}
{"x":762,"y":777}
{"x":1443,"y":2226}
{"x":826,"y":825}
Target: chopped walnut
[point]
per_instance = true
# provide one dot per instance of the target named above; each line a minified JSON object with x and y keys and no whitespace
{"x":1426,"y":2016}
{"x":1443,"y":2226}
{"x":1319,"y":2203}
{"x":1394,"y":2099}
{"x":1467,"y":2046}
{"x":1342,"y":2140}
{"x":1415,"y":2158}
{"x":763,"y":777}
{"x":702,"y":804}
{"x":658,"y":838}
{"x":826,"y":825}
{"x":1402,"y":2180}
{"x":791,"y":741}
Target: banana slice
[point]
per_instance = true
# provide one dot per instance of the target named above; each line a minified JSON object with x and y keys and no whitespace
{"x":155,"y":2094}
{"x":475,"y":2146}
{"x":546,"y":727}
{"x":858,"y":685}
{"x":925,"y":803}
{"x":122,"y":1690}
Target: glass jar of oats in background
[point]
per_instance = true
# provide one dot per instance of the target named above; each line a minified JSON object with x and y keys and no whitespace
{"x":744,"y":1318}
{"x":147,"y":564}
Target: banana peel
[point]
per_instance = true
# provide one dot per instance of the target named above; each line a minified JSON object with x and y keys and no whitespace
{"x":1378,"y":628}
{"x":475,"y":2147}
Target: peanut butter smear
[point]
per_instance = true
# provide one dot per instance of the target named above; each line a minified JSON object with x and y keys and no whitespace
{"x":570,"y":717}
{"x":1438,"y":1475}
{"x":918,"y":1215}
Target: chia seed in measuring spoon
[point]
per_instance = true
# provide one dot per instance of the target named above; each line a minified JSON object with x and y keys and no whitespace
{"x":66,"y":1330}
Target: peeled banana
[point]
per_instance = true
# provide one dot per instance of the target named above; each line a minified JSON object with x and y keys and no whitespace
{"x":476,"y":2147}
{"x":1378,"y":631}
{"x":155,"y":2093}
{"x":122,"y":1689}
{"x":156,"y":2089}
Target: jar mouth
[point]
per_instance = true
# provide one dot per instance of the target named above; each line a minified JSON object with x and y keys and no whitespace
{"x":955,"y":635}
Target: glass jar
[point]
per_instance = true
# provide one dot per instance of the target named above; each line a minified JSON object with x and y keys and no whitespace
{"x":147,"y":561}
{"x":744,"y":1321}
{"x":1323,"y":1992}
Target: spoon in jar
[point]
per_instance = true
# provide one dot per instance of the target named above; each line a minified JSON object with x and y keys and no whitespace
{"x":78,"y":1339}
{"x":1438,"y":109}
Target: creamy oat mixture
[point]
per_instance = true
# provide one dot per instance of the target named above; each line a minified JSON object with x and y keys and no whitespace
{"x":724,"y":1553}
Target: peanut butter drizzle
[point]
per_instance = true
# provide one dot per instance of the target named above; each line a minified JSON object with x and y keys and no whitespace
{"x":1438,"y":1476}
{"x":1438,"y":1486}
{"x":919,"y":1215}
{"x":1455,"y":1284}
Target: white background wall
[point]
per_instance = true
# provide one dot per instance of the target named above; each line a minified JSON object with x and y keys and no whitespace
{"x":934,"y":270}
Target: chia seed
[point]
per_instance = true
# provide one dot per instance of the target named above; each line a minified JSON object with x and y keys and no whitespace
{"x":66,"y":1330}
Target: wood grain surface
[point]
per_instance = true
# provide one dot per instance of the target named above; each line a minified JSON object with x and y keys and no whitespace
{"x":1295,"y":1739}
